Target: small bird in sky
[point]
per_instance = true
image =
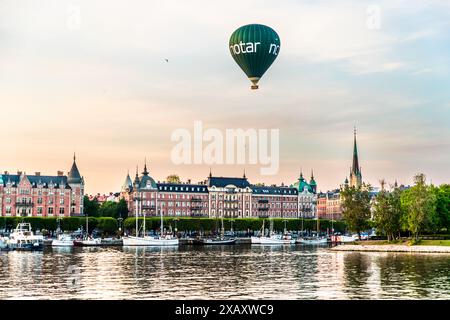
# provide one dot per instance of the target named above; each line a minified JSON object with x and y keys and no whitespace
{"x":167,"y":60}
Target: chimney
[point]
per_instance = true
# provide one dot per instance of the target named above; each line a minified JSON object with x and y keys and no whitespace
{"x":189,"y":181}
{"x":19,"y":173}
{"x":38,"y":174}
{"x":60,"y":173}
{"x":6,"y":172}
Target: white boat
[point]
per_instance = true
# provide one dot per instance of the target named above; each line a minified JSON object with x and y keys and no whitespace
{"x":4,"y":243}
{"x":88,"y":242}
{"x":276,"y":239}
{"x":23,"y":238}
{"x":166,"y":240}
{"x":63,"y":240}
{"x":273,"y":238}
{"x":312,"y":241}
{"x":163,"y":240}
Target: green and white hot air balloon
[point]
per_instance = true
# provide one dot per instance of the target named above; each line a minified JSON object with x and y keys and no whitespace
{"x":254,"y":47}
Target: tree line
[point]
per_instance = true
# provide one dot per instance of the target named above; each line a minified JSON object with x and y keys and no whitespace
{"x":422,"y":208}
{"x":107,"y":209}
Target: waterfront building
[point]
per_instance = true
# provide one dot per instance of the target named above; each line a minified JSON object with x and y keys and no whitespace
{"x":307,"y":196}
{"x":41,"y":195}
{"x":273,"y":201}
{"x":229,"y":197}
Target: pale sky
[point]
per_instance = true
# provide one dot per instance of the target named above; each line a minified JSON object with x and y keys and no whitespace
{"x":97,"y":84}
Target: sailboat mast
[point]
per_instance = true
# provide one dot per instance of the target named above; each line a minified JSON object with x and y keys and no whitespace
{"x":136,"y":212}
{"x":143,"y":226}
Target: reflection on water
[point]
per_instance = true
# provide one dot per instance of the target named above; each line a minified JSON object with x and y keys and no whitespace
{"x":222,"y":272}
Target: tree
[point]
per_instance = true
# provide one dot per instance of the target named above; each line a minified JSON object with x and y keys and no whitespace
{"x":356,"y":208}
{"x":173,"y":178}
{"x":388,"y":212}
{"x":122,"y":209}
{"x":420,"y":204}
{"x":108,"y":209}
{"x":443,"y":206}
{"x":90,"y":206}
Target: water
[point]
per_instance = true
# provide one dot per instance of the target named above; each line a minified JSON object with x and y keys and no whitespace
{"x":228,"y":272}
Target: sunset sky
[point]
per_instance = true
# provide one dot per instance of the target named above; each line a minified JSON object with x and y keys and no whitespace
{"x":98,"y":84}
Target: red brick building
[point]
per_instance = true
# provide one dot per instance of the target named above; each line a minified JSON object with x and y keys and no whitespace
{"x":42,"y":196}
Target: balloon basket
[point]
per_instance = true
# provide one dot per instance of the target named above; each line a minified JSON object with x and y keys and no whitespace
{"x":254,"y":87}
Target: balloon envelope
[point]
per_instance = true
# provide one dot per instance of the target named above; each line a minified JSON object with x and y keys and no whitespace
{"x":254,"y":47}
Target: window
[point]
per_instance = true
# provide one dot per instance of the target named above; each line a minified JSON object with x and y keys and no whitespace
{"x":39,"y":200}
{"x":8,"y":200}
{"x":39,"y":210}
{"x":50,"y":210}
{"x":61,"y":201}
{"x":50,"y":201}
{"x":8,"y":209}
{"x":61,"y":210}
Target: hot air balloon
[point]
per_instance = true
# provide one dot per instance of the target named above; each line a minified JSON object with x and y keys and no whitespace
{"x":254,"y":47}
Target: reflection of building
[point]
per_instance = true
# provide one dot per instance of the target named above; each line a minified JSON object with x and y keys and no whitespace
{"x":42,"y":196}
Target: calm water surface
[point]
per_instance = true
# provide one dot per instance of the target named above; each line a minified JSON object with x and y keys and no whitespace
{"x":228,"y":272}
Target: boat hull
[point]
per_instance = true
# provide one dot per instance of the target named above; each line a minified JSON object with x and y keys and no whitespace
{"x":313,"y":241}
{"x":271,"y":241}
{"x":59,"y":243}
{"x":215,"y":241}
{"x":149,"y":241}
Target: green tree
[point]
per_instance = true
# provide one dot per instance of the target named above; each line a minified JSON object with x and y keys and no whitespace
{"x":173,"y":178}
{"x":122,"y":209}
{"x":90,"y":207}
{"x":388,"y":212}
{"x":420,"y":204}
{"x":443,"y":206}
{"x":108,"y":209}
{"x":356,"y":207}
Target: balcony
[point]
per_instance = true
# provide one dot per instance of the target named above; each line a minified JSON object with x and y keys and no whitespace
{"x":263,"y":209}
{"x":24,"y":204}
{"x":263,"y":201}
{"x":195,"y":199}
{"x":231,"y":200}
{"x":148,"y":206}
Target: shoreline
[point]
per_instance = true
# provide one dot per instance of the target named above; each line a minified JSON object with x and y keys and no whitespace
{"x":391,"y":248}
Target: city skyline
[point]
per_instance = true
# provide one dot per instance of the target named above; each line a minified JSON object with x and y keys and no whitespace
{"x":103,"y":88}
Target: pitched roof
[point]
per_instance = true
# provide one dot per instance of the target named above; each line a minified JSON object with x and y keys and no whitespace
{"x":274,"y":190}
{"x":222,"y":182}
{"x":14,"y":179}
{"x":74,"y":174}
{"x":181,"y":187}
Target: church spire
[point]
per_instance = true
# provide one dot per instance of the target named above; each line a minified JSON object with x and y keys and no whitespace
{"x":355,"y":170}
{"x":145,"y":172}
{"x":355,"y":163}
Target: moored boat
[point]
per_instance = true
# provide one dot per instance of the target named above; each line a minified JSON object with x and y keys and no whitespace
{"x":88,"y":242}
{"x":23,"y":238}
{"x":214,"y":241}
{"x":63,"y":240}
{"x":312,"y":241}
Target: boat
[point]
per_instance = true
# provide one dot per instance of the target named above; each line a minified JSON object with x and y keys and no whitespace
{"x":214,"y":241}
{"x":273,"y":238}
{"x":88,"y":242}
{"x":23,"y":238}
{"x":312,"y":241}
{"x":162,"y":240}
{"x":63,"y":240}
{"x":4,"y":243}
{"x":340,"y":238}
{"x":220,"y":240}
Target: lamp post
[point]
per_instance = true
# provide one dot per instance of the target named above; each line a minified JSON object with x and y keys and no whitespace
{"x":120,"y":224}
{"x":176,"y":220}
{"x":231,"y":229}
